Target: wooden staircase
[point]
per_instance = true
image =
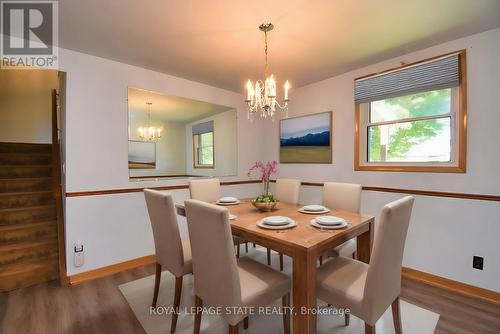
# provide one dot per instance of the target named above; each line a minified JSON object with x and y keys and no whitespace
{"x":28,"y":216}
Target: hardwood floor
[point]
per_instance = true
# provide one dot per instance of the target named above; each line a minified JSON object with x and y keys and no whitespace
{"x":99,"y":307}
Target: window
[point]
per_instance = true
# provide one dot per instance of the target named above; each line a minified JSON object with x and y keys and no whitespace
{"x":408,"y":123}
{"x":203,"y":145}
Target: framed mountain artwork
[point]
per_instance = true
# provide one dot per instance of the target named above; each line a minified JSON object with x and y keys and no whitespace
{"x":306,"y":139}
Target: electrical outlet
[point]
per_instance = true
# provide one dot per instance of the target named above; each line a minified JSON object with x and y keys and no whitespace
{"x":477,"y":262}
{"x":79,"y":258}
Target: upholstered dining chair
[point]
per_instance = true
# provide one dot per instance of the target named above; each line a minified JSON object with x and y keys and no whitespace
{"x":344,"y":197}
{"x":287,"y":190}
{"x":208,"y":190}
{"x":172,"y":252}
{"x":369,"y":289}
{"x":221,"y":280}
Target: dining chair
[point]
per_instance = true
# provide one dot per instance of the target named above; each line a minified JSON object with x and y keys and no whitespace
{"x":221,"y":280}
{"x":367,"y":290}
{"x":172,"y":253}
{"x":344,"y":197}
{"x":208,"y":190}
{"x":287,"y":190}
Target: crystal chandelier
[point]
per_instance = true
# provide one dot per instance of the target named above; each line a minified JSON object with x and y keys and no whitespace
{"x":149,"y":133}
{"x":261,"y":97}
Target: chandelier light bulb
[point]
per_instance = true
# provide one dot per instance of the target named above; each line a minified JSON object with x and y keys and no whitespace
{"x":262,"y":96}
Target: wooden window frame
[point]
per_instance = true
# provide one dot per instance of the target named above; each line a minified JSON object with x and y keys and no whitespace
{"x":459,"y":131}
{"x":195,"y":153}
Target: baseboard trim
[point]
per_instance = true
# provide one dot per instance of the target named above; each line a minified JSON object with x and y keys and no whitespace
{"x":111,"y":269}
{"x":464,"y":289}
{"x":408,"y":273}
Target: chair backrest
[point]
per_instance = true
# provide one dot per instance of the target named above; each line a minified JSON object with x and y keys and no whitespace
{"x":287,"y":190}
{"x":216,"y":277}
{"x":383,"y":281}
{"x":206,"y":190}
{"x":342,"y":196}
{"x":168,"y":246}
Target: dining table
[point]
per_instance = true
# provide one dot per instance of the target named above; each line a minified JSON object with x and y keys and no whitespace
{"x":304,"y":244}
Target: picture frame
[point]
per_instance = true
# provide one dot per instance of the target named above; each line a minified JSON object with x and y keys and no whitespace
{"x":306,"y":139}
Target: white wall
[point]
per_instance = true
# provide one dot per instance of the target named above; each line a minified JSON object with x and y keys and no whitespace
{"x":26,"y":105}
{"x":113,"y":227}
{"x":445,"y":233}
{"x":225,"y":143}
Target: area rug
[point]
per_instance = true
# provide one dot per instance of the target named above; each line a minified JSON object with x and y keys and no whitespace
{"x":139,"y":293}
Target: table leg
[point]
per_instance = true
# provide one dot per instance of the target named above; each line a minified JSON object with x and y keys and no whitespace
{"x":304,"y":292}
{"x":364,"y":244}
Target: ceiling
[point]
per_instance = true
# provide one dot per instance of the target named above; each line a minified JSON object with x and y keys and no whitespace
{"x":170,"y":108}
{"x":217,"y":42}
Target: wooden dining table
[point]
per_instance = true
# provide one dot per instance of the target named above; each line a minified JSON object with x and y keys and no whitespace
{"x":304,"y":244}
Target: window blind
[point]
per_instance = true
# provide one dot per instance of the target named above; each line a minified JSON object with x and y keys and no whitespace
{"x":200,"y":128}
{"x":437,"y":74}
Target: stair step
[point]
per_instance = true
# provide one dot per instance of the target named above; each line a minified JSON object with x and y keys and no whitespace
{"x":24,"y":199}
{"x":28,"y":232}
{"x":27,"y":215}
{"x":22,"y":251}
{"x":25,"y":158}
{"x":25,"y":184}
{"x":25,"y":148}
{"x":23,"y":171}
{"x":24,"y":274}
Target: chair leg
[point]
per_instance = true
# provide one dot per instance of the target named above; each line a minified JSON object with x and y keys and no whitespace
{"x":198,"y":304}
{"x":281,"y":262}
{"x":268,"y":257}
{"x":286,"y":314}
{"x":238,"y":251}
{"x":347,"y":318}
{"x":245,"y":323}
{"x":369,"y":329}
{"x":233,"y":329}
{"x":396,"y":316}
{"x":354,"y":255}
{"x":254,"y":245}
{"x":157,"y":284}
{"x":246,"y":247}
{"x":177,"y":301}
{"x":320,"y":260}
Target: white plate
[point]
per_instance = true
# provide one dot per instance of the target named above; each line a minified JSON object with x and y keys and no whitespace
{"x":290,"y":224}
{"x":329,"y":220}
{"x":325,"y":210}
{"x":228,"y":200}
{"x":232,"y":217}
{"x":313,"y":208}
{"x":326,"y":227}
{"x":223,"y":203}
{"x":276,"y":220}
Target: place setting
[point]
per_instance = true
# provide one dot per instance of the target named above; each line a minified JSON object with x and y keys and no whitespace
{"x":227,"y":201}
{"x":276,"y":223}
{"x":329,"y":223}
{"x":314,"y":209}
